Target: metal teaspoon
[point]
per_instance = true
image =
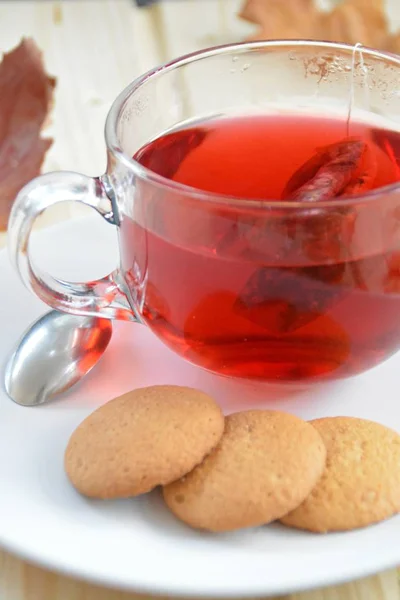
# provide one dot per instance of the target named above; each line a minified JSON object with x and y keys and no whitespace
{"x":56,"y":352}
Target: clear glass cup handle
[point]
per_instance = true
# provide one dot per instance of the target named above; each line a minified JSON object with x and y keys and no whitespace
{"x":102,"y":297}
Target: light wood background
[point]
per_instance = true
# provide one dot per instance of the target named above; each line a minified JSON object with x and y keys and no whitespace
{"x":95,"y":48}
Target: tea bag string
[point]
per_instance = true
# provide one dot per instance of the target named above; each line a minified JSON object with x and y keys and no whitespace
{"x":357,"y":48}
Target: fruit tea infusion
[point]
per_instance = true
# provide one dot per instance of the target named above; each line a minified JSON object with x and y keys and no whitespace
{"x":289,"y":293}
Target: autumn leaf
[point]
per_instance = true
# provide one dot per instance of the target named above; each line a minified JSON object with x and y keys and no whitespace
{"x":26,"y":97}
{"x":394,"y":43}
{"x":281,"y":18}
{"x":354,"y":21}
{"x":350,"y":21}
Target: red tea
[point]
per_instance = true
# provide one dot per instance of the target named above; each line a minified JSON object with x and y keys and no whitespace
{"x":285,"y":294}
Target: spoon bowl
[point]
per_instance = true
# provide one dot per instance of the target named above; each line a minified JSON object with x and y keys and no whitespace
{"x":56,"y":352}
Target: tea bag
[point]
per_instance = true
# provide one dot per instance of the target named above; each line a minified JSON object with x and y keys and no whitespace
{"x":282,"y":299}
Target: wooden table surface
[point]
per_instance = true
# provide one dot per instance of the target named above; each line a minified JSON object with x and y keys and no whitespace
{"x":95,"y":48}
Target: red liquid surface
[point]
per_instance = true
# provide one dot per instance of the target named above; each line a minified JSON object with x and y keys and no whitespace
{"x":284,"y":301}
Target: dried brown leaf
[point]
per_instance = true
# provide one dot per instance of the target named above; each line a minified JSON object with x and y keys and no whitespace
{"x":258,"y":11}
{"x":351,"y":21}
{"x":281,"y":19}
{"x":354,"y":21}
{"x":394,"y":43}
{"x":26,"y":97}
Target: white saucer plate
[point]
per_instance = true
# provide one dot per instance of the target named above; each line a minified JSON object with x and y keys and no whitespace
{"x":136,"y":544}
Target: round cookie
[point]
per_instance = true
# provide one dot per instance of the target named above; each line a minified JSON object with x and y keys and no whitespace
{"x":361,"y":483}
{"x":265,"y":465}
{"x":145,"y":438}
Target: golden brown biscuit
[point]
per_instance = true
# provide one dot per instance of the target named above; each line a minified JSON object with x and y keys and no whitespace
{"x":145,"y":438}
{"x":361,"y":483}
{"x":264,"y":466}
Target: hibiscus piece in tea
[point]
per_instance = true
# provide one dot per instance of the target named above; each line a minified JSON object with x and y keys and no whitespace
{"x":171,"y":150}
{"x":389,"y":142}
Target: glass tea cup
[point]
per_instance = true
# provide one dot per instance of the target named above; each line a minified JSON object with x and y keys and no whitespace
{"x":267,"y":290}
